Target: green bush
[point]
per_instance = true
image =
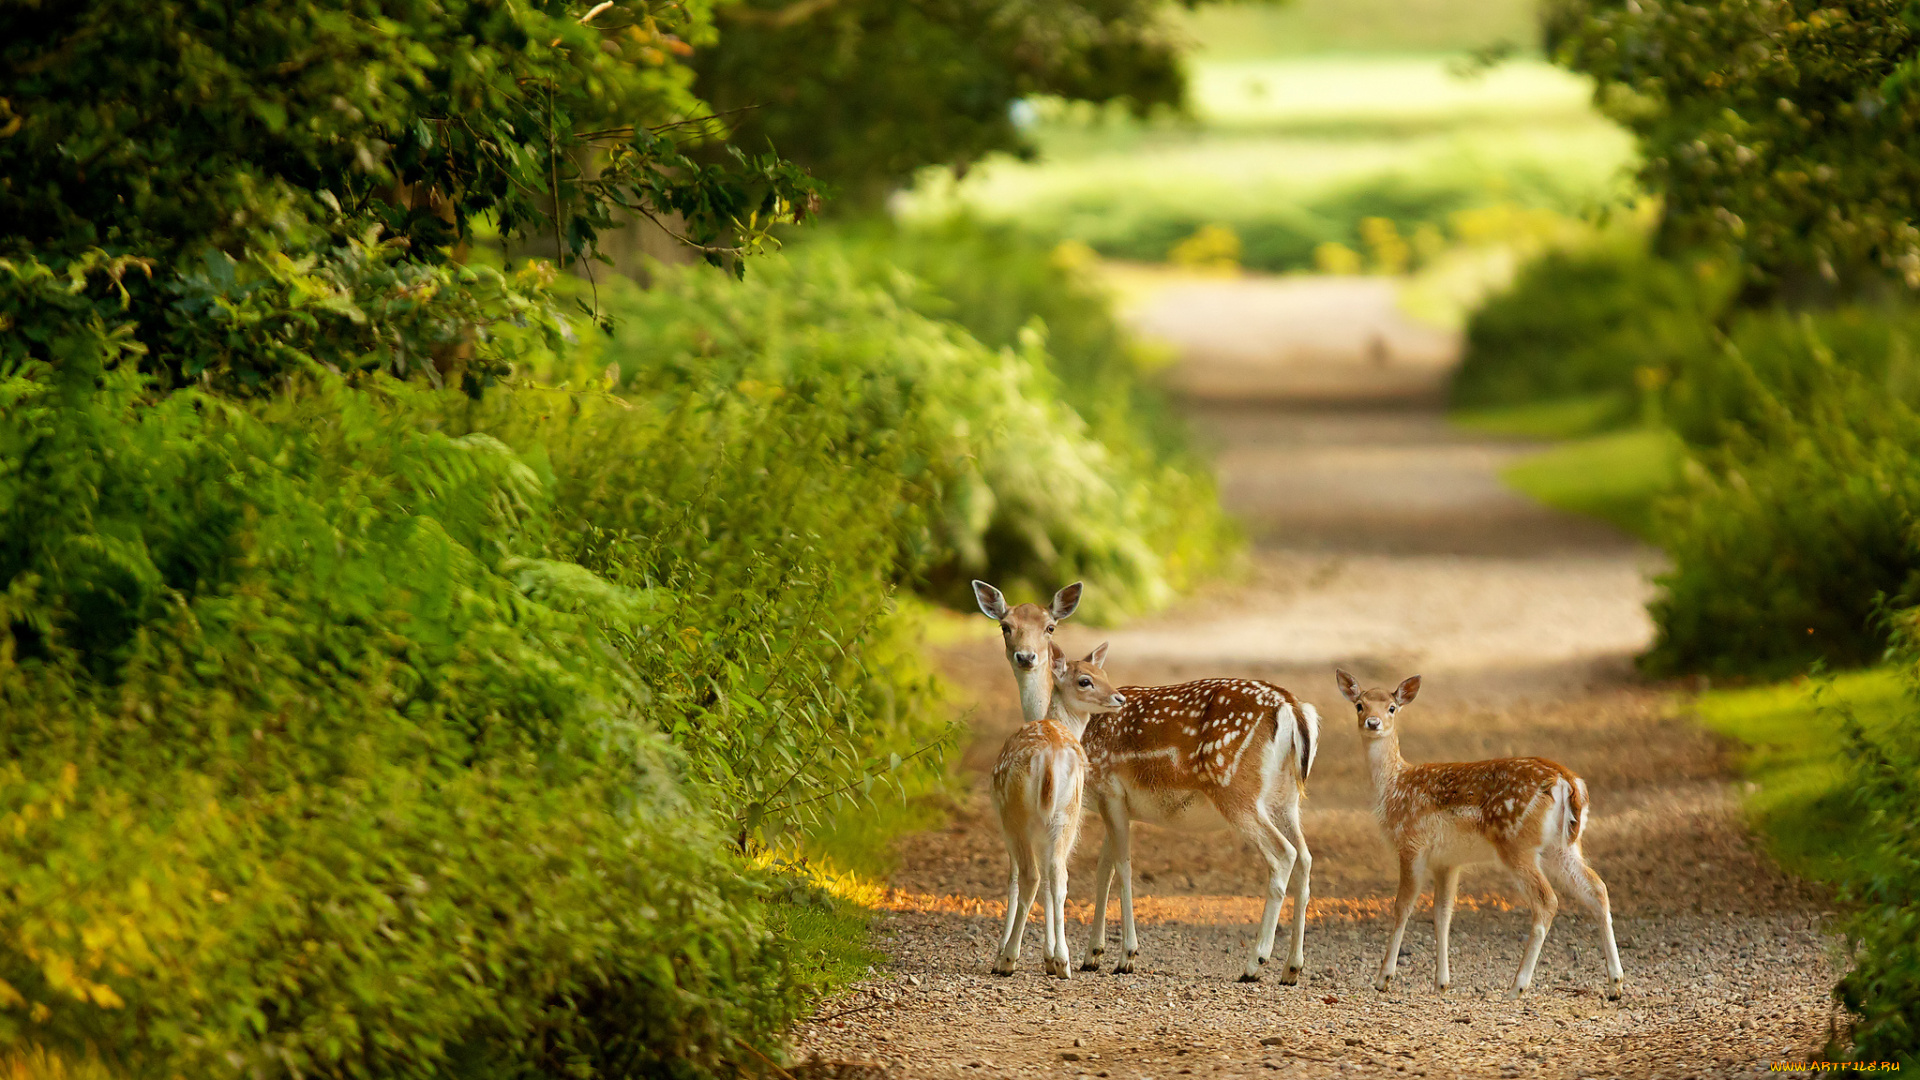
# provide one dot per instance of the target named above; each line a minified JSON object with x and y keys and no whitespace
{"x":1778,"y":358}
{"x":1882,"y":991}
{"x":1787,"y":540}
{"x":1607,"y":319}
{"x":1782,"y":130}
{"x":1000,"y":476}
{"x":995,"y":281}
{"x":378,"y":731}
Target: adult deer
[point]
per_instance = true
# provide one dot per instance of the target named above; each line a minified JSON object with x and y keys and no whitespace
{"x":1526,"y":813}
{"x":1037,"y":787}
{"x":1027,"y":632}
{"x":1241,"y":747}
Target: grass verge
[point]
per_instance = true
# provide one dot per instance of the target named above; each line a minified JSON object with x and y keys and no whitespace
{"x":1802,"y":802}
{"x":1616,"y":477}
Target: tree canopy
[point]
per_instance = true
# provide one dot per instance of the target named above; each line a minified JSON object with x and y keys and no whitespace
{"x":286,"y":178}
{"x":1787,"y":130}
{"x":863,"y":92}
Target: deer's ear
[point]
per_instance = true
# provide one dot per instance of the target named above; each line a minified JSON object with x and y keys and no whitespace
{"x":1066,"y":601}
{"x":1059,"y":664}
{"x":1098,"y":657}
{"x":1406,"y":690}
{"x":1058,"y":654}
{"x":1348,"y":686}
{"x":992,"y":604}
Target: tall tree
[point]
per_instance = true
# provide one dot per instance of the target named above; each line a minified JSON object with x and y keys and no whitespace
{"x":863,"y":92}
{"x":257,"y":155}
{"x":1786,"y":130}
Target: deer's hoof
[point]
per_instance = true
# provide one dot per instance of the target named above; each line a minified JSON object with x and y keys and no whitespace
{"x":1291,"y":977}
{"x":1518,"y":992}
{"x":1124,"y":967}
{"x":1090,"y":964}
{"x":1613,"y":989}
{"x":1382,"y":983}
{"x":1248,"y":977}
{"x":1003,"y":967}
{"x":1441,"y":987}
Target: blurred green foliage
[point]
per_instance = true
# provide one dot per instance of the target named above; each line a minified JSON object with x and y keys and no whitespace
{"x":1001,"y":474}
{"x":1595,"y":321}
{"x":1291,"y":154}
{"x":1794,"y":523}
{"x":1882,"y":991}
{"x":864,"y":92}
{"x":1785,"y":130}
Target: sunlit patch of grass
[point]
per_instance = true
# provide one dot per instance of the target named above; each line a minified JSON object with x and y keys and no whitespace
{"x":1616,"y":477}
{"x":1562,"y":418}
{"x":1359,"y":95}
{"x":1289,"y":154}
{"x":1302,"y":27}
{"x":1793,"y":752}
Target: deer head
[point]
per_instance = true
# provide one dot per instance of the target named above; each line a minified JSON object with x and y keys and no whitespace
{"x":1026,"y":628}
{"x":1081,"y":687}
{"x":1376,"y":707}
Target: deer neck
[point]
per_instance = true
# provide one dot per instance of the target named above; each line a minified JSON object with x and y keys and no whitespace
{"x":1060,"y":714}
{"x":1384,"y":762}
{"x":1036,"y":693}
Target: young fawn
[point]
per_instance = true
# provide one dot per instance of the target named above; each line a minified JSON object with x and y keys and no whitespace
{"x":1037,"y":785}
{"x":1240,"y":746}
{"x":1525,"y":813}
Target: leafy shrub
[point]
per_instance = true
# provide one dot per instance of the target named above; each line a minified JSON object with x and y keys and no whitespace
{"x":1882,"y":991}
{"x":1000,"y":474}
{"x":1597,"y":319}
{"x":379,"y":731}
{"x":1787,"y":540}
{"x":1783,"y":129}
{"x":1776,"y":357}
{"x":996,"y":282}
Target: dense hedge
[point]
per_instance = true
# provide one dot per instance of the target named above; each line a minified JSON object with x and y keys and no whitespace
{"x":1587,"y":321}
{"x":1882,"y":991}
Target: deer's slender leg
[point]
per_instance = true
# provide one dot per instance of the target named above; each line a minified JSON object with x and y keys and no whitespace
{"x":1410,"y":874}
{"x":1122,"y":837}
{"x":1571,"y":872}
{"x":1102,"y":891}
{"x":1302,"y":871}
{"x":1545,"y":905}
{"x":1021,"y":890}
{"x":1446,"y":881}
{"x":1259,"y":830}
{"x":1057,"y":887}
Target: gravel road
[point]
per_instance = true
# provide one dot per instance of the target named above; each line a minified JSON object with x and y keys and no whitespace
{"x":1384,"y":542}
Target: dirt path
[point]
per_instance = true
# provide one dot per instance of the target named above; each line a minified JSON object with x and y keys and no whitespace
{"x":1383,"y":541}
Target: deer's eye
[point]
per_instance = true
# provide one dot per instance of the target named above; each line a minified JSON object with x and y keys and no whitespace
{"x":1391,"y":709}
{"x":1005,"y":629}
{"x":1085,"y":682}
{"x":1049,"y":629}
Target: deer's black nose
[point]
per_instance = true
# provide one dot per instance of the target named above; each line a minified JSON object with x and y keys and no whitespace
{"x":1119,"y":700}
{"x":1373,"y":723}
{"x":1024,"y":659}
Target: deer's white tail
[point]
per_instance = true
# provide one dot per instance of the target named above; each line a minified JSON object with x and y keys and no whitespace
{"x":1306,"y":739}
{"x":1570,"y":810}
{"x":1059,"y":783}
